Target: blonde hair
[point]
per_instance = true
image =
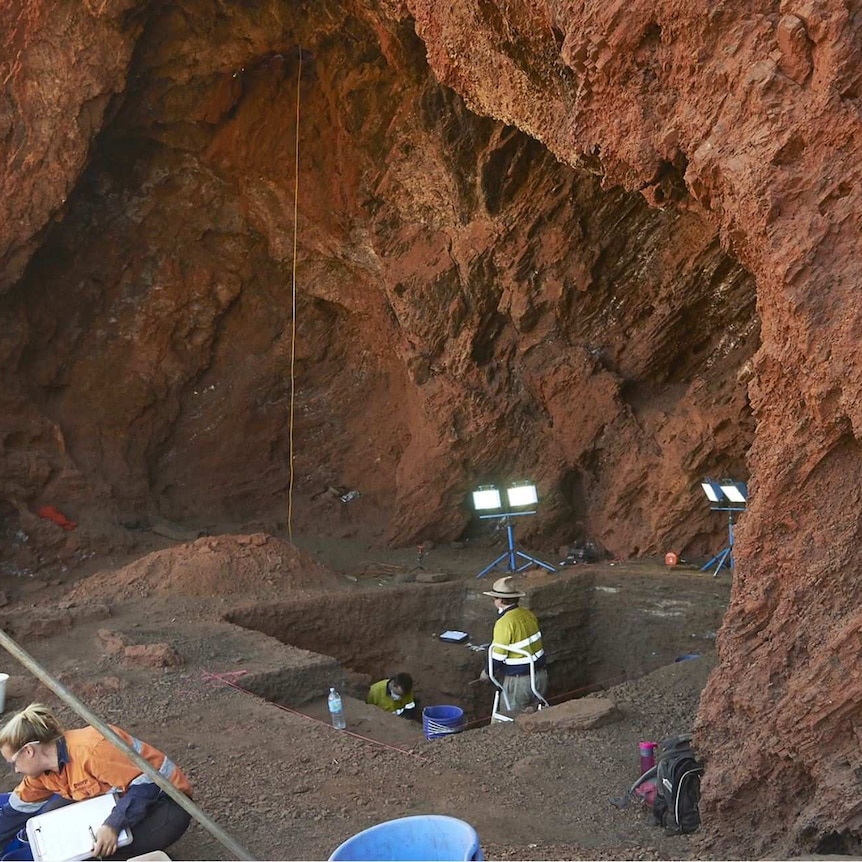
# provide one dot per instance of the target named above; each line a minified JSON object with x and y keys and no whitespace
{"x":35,"y":723}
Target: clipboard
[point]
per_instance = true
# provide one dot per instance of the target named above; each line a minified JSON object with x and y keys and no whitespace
{"x":455,"y":637}
{"x":67,"y":833}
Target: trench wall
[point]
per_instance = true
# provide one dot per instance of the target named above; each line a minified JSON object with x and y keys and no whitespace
{"x":600,"y":628}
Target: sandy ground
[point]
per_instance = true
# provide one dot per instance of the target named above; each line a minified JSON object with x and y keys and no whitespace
{"x":283,"y":782}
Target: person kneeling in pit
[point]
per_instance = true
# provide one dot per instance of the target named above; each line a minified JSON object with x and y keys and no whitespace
{"x":80,"y":764}
{"x":395,"y":695}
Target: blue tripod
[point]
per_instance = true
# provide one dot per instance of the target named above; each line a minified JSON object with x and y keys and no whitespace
{"x":511,"y":554}
{"x":725,"y":556}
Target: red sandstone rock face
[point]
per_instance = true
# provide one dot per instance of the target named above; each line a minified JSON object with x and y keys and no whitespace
{"x":757,"y":109}
{"x":526,"y":239}
{"x":468,"y":307}
{"x":61,"y":65}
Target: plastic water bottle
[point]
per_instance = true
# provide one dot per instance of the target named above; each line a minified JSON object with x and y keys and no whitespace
{"x":336,"y":710}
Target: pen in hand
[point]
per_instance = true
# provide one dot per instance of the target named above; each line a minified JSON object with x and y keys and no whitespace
{"x":93,"y":836}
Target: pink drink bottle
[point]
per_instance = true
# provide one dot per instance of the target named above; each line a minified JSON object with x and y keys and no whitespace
{"x":647,"y":755}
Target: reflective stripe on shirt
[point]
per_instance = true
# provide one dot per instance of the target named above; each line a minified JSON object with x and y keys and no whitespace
{"x":523,"y":659}
{"x":526,"y":641}
{"x":522,"y":644}
{"x":16,"y":802}
{"x":166,"y":770}
{"x":517,"y":629}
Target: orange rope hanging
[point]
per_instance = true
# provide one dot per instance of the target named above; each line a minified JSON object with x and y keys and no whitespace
{"x":293,"y":309}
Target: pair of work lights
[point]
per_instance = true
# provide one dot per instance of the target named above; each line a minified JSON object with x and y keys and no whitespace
{"x":725,"y":491}
{"x":520,"y":498}
{"x":489,"y":500}
{"x":726,"y":496}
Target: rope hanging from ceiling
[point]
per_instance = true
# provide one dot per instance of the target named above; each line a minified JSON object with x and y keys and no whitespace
{"x":293,"y":309}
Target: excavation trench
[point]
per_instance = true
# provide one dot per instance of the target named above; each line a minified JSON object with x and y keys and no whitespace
{"x":601,"y":626}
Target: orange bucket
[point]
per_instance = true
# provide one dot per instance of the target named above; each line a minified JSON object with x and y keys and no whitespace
{"x":670,"y":559}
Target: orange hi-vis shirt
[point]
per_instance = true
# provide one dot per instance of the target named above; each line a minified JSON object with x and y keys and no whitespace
{"x":95,"y":766}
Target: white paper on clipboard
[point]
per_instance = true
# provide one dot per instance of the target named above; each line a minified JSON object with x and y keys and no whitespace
{"x":65,"y":833}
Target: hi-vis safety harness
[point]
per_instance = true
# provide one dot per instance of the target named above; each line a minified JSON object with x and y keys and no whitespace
{"x":518,"y":654}
{"x":525,"y":658}
{"x":518,"y":641}
{"x":518,"y":658}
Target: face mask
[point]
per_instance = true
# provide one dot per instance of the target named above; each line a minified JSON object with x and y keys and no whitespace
{"x":394,"y":696}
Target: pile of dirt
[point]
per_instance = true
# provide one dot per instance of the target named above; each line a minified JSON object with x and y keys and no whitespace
{"x":256,"y":566}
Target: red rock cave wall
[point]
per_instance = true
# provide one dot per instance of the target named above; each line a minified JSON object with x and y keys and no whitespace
{"x":529,"y":240}
{"x":502,"y":313}
{"x":758,"y":108}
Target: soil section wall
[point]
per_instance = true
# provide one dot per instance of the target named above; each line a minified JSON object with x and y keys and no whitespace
{"x":600,"y":628}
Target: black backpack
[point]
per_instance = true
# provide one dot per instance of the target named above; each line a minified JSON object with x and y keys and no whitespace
{"x":677,"y":785}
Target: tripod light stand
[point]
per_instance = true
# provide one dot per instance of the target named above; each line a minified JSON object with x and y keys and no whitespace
{"x":488,"y":499}
{"x":731,"y":493}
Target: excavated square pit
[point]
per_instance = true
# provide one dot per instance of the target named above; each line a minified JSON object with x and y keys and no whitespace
{"x":601,"y":626}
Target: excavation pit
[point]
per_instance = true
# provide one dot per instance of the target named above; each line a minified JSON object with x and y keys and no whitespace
{"x":601,"y":624}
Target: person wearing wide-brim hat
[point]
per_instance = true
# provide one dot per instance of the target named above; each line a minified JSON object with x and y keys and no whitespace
{"x":518,"y":629}
{"x":504,"y":588}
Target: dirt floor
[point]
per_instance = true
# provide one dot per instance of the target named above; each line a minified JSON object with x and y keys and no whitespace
{"x":144,"y":643}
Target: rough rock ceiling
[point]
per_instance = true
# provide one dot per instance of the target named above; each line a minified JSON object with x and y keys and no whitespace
{"x":468,"y":306}
{"x":609,"y":246}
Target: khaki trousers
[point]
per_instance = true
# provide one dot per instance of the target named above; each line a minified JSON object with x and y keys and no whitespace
{"x":519,"y":693}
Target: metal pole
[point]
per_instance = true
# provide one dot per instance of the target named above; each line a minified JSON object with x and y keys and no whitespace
{"x":180,"y":798}
{"x":513,"y":565}
{"x":730,"y":536}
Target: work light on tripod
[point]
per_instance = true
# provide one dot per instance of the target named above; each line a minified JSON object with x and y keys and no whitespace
{"x":521,"y":498}
{"x":726,"y":496}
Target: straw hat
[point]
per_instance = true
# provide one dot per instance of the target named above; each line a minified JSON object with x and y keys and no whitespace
{"x":504,"y":589}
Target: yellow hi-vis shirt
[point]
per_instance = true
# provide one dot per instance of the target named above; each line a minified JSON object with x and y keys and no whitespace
{"x":378,"y":695}
{"x":517,"y":627}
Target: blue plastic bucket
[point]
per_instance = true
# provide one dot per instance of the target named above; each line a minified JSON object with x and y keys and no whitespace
{"x":428,"y":837}
{"x":18,"y":849}
{"x":440,"y":721}
{"x":21,"y":854}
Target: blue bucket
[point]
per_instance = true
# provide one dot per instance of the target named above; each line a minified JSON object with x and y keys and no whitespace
{"x":22,"y":853}
{"x":18,"y":848}
{"x":425,"y":837}
{"x":440,"y":721}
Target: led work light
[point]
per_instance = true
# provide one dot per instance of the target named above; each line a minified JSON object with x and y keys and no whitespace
{"x":726,"y":496}
{"x":486,"y":498}
{"x":521,"y":498}
{"x":736,"y":492}
{"x":712,"y":490}
{"x":522,"y":495}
